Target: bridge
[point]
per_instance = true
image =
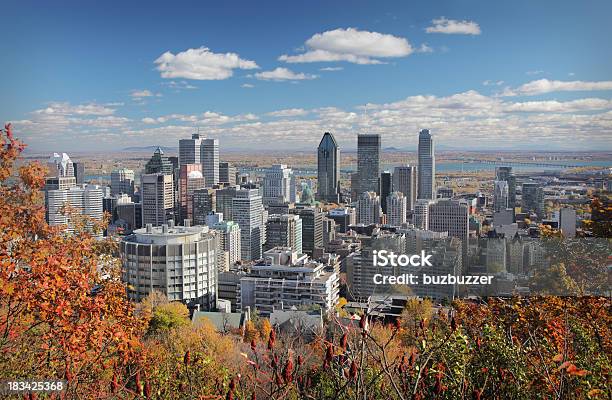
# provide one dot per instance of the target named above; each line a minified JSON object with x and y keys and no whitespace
{"x":510,"y":163}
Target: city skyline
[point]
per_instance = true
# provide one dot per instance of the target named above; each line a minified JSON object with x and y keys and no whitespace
{"x":366,"y":69}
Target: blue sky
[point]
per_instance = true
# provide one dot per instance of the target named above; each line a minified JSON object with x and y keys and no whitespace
{"x":480,"y":74}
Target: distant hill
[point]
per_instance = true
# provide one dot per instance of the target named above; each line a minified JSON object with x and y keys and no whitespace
{"x":150,"y":149}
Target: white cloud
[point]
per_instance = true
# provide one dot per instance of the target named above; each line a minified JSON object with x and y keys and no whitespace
{"x":492,"y":83}
{"x":201,"y":64}
{"x":351,"y":45}
{"x":283,"y":74}
{"x":289,"y":112}
{"x":57,"y":108}
{"x":424,"y":48}
{"x":453,"y":27}
{"x":247,"y":85}
{"x":535,"y":72}
{"x":331,"y":69}
{"x":179,"y":85}
{"x":590,"y":104}
{"x":542,"y":86}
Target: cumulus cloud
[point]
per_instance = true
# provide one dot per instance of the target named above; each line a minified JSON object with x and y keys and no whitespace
{"x":351,"y":45}
{"x":247,"y":85}
{"x":57,"y":108}
{"x":283,"y":74}
{"x":289,"y":112}
{"x":424,"y":48}
{"x":453,"y":27}
{"x":201,"y":64}
{"x":331,"y":69}
{"x":542,"y":86}
{"x":179,"y":85}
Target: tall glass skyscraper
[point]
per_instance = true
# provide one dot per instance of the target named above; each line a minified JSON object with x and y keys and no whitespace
{"x":368,"y":162}
{"x":328,"y":169}
{"x":201,"y":151}
{"x":427,"y":166}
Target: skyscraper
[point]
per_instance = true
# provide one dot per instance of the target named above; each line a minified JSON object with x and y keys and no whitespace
{"x":227,"y":173}
{"x":533,"y":198}
{"x":224,"y":201}
{"x":420,"y":217}
{"x":386,"y":187}
{"x":368,"y":208}
{"x":405,"y":181}
{"x":79,"y":172}
{"x":157,"y":196}
{"x":209,"y":157}
{"x":368,"y":163}
{"x":83,"y":200}
{"x":506,"y":174}
{"x":229,"y":235}
{"x":451,"y":216}
{"x":500,"y":196}
{"x":279,"y":185}
{"x":396,"y":209}
{"x":328,"y":169}
{"x":427,"y":166}
{"x":159,"y":164}
{"x":122,"y":181}
{"x":60,"y":165}
{"x":247,"y":211}
{"x":190,"y":150}
{"x":204,"y":202}
{"x":284,"y":231}
{"x":190,"y":180}
{"x":312,"y":227}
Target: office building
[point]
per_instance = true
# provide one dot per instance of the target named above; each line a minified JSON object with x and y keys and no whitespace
{"x":190,"y":150}
{"x":369,"y":210}
{"x":227,"y":173}
{"x":247,"y":209}
{"x":79,"y":172}
{"x":368,"y":163}
{"x":210,"y":161}
{"x":500,"y":196}
{"x":60,"y":166}
{"x":386,"y":187}
{"x":506,"y":174}
{"x":533,"y":199}
{"x":567,"y":222}
{"x":224,"y":200}
{"x":157,"y":197}
{"x":396,"y":209}
{"x":420,"y":217}
{"x":279,"y":185}
{"x":128,"y":216}
{"x":122,"y":182}
{"x":159,"y":164}
{"x":343,"y":217}
{"x":451,"y":216}
{"x":83,"y":200}
{"x":204,"y":203}
{"x":180,"y":262}
{"x":190,"y":180}
{"x":405,"y":181}
{"x":328,"y":169}
{"x":286,"y":279}
{"x":312,"y":227}
{"x":284,"y":231}
{"x":427,"y":166}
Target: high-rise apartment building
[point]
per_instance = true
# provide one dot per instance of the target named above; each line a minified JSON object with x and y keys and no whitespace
{"x":396,"y":209}
{"x":122,"y":182}
{"x":284,"y":231}
{"x":180,"y":262}
{"x":286,"y":279}
{"x":279,"y":185}
{"x":369,"y":209}
{"x":427,"y":166}
{"x":247,"y":209}
{"x":157,"y":197}
{"x":405,"y":181}
{"x":328,"y":169}
{"x":368,"y":163}
{"x":229,"y":236}
{"x":420,"y":217}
